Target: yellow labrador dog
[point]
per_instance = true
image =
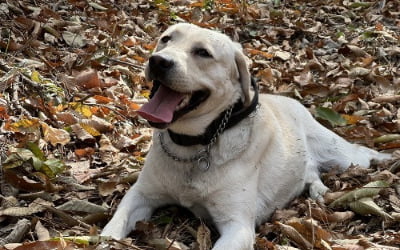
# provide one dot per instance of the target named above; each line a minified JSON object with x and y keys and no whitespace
{"x":221,"y":150}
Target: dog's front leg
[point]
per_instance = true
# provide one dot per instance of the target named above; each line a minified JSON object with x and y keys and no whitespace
{"x":233,"y":212}
{"x":133,"y":207}
{"x":236,"y":235}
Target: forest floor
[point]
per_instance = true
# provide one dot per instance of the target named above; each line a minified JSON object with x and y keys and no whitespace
{"x":71,"y":143}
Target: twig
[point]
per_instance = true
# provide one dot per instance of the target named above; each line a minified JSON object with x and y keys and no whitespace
{"x":178,"y":231}
{"x":312,"y":225}
{"x":109,"y":107}
{"x":127,"y":245}
{"x":16,"y":102}
{"x":107,"y":173}
{"x":68,"y":219}
{"x":126,"y":63}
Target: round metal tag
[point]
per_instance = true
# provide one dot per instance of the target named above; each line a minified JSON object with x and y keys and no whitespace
{"x":203,"y":163}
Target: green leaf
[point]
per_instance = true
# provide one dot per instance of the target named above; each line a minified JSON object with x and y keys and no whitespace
{"x":12,"y":161}
{"x":163,"y":220}
{"x":84,"y":239}
{"x":387,"y":138}
{"x":35,"y":157}
{"x":333,"y":117}
{"x":339,"y":34}
{"x":52,"y":167}
{"x":360,"y":5}
{"x":367,"y":206}
{"x":369,"y":35}
{"x":34,"y":148}
{"x":19,"y":157}
{"x":369,"y":190}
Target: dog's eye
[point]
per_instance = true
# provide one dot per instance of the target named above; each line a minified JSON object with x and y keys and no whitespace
{"x":165,"y":39}
{"x":201,"y":52}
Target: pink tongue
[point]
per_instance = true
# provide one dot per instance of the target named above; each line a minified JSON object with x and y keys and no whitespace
{"x":161,"y":107}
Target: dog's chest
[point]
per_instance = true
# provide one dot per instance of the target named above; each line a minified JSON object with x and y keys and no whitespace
{"x":185,"y":182}
{"x":189,"y":186}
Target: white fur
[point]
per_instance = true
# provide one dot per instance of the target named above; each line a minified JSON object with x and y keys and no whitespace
{"x":257,"y":166}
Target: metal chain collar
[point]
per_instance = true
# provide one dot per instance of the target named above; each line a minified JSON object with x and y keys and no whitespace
{"x":203,"y":156}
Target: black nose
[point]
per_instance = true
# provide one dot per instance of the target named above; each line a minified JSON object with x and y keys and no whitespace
{"x":160,"y":64}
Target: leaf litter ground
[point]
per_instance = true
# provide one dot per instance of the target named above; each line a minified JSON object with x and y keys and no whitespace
{"x":71,"y":80}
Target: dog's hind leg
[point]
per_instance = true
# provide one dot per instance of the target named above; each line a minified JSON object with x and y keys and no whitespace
{"x":330,"y":150}
{"x":317,"y":189}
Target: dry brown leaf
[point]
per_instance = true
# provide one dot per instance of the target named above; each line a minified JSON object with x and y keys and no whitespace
{"x":385,"y":175}
{"x":386,"y":98}
{"x":24,"y":183}
{"x":203,"y":237}
{"x":283,"y":55}
{"x":67,"y":117}
{"x":311,"y":231}
{"x":106,"y":145}
{"x":84,"y":152}
{"x":349,"y":49}
{"x":305,"y":78}
{"x":294,"y":236}
{"x":51,"y":244}
{"x":82,"y":134}
{"x":167,"y":244}
{"x":35,"y":207}
{"x":21,"y":211}
{"x":126,"y":143}
{"x":107,"y":188}
{"x":41,"y":232}
{"x":98,"y":123}
{"x":81,"y":170}
{"x":102,"y":99}
{"x":54,"y":135}
{"x":325,"y":216}
{"x":74,"y":39}
{"x":81,"y":206}
{"x":88,"y":79}
{"x":359,"y":71}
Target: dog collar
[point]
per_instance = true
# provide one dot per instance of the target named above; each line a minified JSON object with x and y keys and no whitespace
{"x":239,"y":112}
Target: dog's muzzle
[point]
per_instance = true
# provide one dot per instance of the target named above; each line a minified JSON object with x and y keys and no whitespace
{"x":166,"y":103}
{"x":159,"y":66}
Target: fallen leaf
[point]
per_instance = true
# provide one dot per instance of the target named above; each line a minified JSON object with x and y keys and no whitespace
{"x":81,"y":206}
{"x":283,"y":55}
{"x":334,"y":118}
{"x":73,"y":39}
{"x":367,"y":206}
{"x":55,"y":136}
{"x":369,"y":190}
{"x":204,"y":237}
{"x":294,"y":236}
{"x":41,"y":232}
{"x":88,"y":79}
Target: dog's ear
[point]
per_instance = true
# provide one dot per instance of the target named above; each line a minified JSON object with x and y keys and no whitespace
{"x":244,"y":74}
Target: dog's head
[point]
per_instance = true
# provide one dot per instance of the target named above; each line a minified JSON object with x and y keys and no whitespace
{"x":199,"y":73}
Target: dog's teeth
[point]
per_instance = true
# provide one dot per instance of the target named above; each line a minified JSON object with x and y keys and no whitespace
{"x":183,"y":103}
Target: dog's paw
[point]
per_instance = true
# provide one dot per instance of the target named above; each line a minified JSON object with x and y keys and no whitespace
{"x":317,"y":190}
{"x":115,"y":231}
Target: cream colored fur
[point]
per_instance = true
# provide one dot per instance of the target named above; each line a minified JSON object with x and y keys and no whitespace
{"x":257,"y":166}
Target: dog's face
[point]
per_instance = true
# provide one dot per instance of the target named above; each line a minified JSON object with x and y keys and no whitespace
{"x":199,"y":72}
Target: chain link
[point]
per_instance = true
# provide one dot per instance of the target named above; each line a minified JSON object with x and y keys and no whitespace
{"x":203,"y":156}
